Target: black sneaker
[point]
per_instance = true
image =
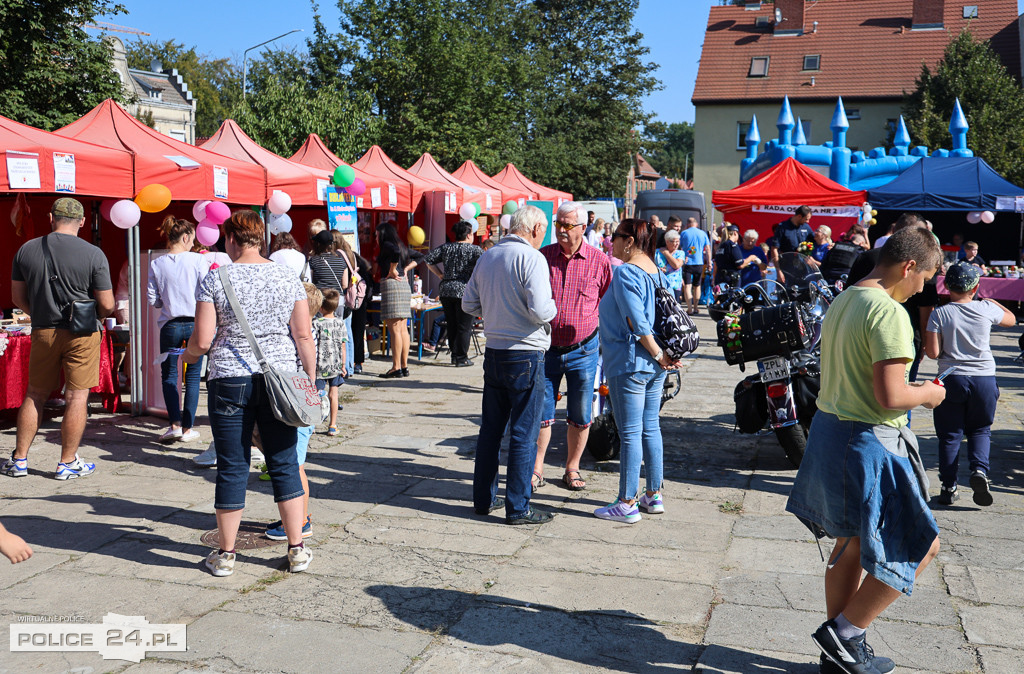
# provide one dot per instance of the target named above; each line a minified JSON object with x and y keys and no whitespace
{"x":497,"y":503}
{"x":534,"y":516}
{"x":948,"y":495}
{"x":980,"y":485}
{"x":884,"y":665}
{"x":852,"y":656}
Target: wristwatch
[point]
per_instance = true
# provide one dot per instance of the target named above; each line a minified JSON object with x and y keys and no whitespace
{"x":657,"y":356}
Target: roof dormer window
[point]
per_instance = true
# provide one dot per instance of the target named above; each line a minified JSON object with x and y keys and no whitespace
{"x":812,"y":62}
{"x":758,"y":66}
{"x":970,"y":11}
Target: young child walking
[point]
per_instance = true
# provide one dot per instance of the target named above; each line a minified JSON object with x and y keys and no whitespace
{"x":861,"y":480}
{"x":331,"y":336}
{"x":958,"y":337}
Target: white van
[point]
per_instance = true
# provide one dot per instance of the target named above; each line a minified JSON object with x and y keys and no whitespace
{"x":606,"y":210}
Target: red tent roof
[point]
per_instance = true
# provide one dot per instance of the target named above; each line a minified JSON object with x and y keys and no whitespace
{"x":298,"y":181}
{"x":511,"y":176}
{"x":375,"y":161}
{"x":109,"y":125}
{"x":788,"y":182}
{"x":471,"y":173}
{"x":489,"y":198}
{"x":98,"y":171}
{"x":316,"y":154}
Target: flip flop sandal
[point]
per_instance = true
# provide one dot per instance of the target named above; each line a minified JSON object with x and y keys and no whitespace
{"x":571,"y":482}
{"x":537,"y":481}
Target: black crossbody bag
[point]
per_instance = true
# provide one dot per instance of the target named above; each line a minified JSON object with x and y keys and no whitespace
{"x":79,"y":315}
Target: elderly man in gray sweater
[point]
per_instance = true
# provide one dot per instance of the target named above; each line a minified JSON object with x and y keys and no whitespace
{"x":510,"y":288}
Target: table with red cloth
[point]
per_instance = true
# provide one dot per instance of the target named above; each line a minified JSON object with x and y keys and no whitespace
{"x":1010,"y":289}
{"x":14,"y":374}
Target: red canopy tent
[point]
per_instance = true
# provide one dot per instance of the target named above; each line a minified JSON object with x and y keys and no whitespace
{"x":189,"y":176}
{"x":378,"y":163}
{"x":770,"y":197}
{"x":470,"y":173}
{"x":302,"y":183}
{"x":316,"y":154}
{"x":488,"y":198}
{"x":512,"y":177}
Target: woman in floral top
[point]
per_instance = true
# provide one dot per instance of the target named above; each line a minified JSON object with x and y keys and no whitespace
{"x":459,"y":260}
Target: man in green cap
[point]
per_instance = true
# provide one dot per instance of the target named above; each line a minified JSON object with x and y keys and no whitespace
{"x":49,"y":274}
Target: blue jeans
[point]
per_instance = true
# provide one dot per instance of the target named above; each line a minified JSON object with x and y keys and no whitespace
{"x":579,"y":368}
{"x":636,"y":403}
{"x":350,"y":353}
{"x":172,"y":335}
{"x":969,"y":408}
{"x":236,"y":405}
{"x":513,"y":396}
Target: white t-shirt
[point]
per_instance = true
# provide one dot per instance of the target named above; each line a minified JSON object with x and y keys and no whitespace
{"x":881,"y":241}
{"x":292,"y":259}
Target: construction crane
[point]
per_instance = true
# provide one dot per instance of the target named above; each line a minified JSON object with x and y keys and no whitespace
{"x":113,"y":27}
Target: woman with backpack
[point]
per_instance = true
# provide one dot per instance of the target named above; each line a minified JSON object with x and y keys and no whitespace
{"x":635,"y":366}
{"x":459,"y":260}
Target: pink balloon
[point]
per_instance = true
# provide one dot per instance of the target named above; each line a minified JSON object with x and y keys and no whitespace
{"x":105,"y":207}
{"x":207,"y":233}
{"x":987,"y":217}
{"x":199,"y":210}
{"x":125,"y":214}
{"x":506,"y":221}
{"x":974,"y":217}
{"x":357,"y":188}
{"x":467,"y":212}
{"x":279,"y":203}
{"x":217,"y":212}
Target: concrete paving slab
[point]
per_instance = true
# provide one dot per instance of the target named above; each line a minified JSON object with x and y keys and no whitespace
{"x":448,"y":659}
{"x":751,"y":554}
{"x":757,"y":628}
{"x":1001,"y":659}
{"x":455,"y":536}
{"x":724,"y":660}
{"x":985,"y":586}
{"x":992,"y":625}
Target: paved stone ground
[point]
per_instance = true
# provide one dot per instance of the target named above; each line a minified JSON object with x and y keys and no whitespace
{"x":407,"y":579}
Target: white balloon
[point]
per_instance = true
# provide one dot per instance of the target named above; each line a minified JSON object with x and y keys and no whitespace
{"x":476,"y":225}
{"x":279,"y":202}
{"x":987,"y":217}
{"x":282,"y":222}
{"x":974,"y":217}
{"x":467,"y":212}
{"x":506,"y":221}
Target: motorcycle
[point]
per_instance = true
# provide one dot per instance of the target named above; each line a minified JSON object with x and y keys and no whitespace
{"x":779,"y":329}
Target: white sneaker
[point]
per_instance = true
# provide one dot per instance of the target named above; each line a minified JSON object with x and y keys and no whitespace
{"x":221,"y":564}
{"x":257,"y":455}
{"x":207,"y":458}
{"x":299,"y":559}
{"x":189,"y":435}
{"x":170,"y":435}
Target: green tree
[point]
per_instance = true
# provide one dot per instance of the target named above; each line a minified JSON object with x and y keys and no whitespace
{"x":51,"y":71}
{"x":669,"y":148}
{"x":216,"y":84}
{"x":992,"y":101}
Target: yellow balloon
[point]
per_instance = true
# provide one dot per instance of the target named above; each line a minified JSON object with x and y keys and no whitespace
{"x":874,"y":212}
{"x":416,"y":236}
{"x":153,"y":198}
{"x":873,"y":221}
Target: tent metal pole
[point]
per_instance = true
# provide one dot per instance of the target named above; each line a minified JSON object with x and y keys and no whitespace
{"x":135,"y":324}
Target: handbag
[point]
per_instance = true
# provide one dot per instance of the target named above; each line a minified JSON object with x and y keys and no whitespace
{"x":293,"y":396}
{"x":79,"y":315}
{"x":673,"y":330}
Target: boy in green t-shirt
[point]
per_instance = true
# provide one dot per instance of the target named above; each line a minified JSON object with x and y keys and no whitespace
{"x":861,"y":479}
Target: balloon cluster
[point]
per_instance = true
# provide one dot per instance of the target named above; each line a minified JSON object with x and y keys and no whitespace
{"x":507,"y":210}
{"x":868,"y":214}
{"x":974,"y":217}
{"x":345,"y":178}
{"x":126,"y":213}
{"x":209,"y":215}
{"x":469,"y":211}
{"x":279,"y":221}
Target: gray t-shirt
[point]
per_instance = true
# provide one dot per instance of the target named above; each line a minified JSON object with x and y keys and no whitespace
{"x":964,"y":330}
{"x":267,"y":293}
{"x":82,"y":267}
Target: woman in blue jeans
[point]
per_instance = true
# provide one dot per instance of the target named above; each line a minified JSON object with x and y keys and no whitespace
{"x":274,"y":303}
{"x":173,"y":280}
{"x":635,"y":366}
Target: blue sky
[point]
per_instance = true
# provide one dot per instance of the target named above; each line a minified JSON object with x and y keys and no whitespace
{"x":673,"y":30}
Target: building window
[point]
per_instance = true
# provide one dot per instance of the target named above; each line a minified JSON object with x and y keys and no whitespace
{"x":758,"y":67}
{"x":741,"y":135}
{"x":853,"y":113}
{"x":970,"y":11}
{"x":177,"y":134}
{"x":812,"y":62}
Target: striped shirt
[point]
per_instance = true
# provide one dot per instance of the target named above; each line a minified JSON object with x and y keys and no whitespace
{"x":577,"y":285}
{"x":329,"y":271}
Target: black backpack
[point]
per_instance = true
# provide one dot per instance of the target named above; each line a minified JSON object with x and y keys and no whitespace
{"x":840,"y":259}
{"x":674,"y":331}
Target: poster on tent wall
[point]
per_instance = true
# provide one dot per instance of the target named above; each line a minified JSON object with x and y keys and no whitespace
{"x":220,"y":182}
{"x":64,"y":172}
{"x":23,"y":170}
{"x":341,"y":214}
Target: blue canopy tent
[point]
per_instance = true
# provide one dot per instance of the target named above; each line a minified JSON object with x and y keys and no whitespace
{"x":944,"y":189}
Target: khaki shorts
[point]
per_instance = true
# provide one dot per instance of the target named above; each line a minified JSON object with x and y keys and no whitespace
{"x":53,"y":349}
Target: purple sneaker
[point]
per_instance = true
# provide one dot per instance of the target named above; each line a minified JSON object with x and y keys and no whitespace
{"x":619,"y":512}
{"x":654,"y":505}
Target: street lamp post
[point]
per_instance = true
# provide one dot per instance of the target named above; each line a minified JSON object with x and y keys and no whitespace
{"x":246,"y":53}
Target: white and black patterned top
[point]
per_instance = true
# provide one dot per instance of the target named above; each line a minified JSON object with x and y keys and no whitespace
{"x":267,"y":294}
{"x":331,"y":336}
{"x":459,"y":260}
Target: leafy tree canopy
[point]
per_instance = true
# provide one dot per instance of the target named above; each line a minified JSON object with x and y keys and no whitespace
{"x":669,"y":149}
{"x":992,"y":101}
{"x":51,"y":71}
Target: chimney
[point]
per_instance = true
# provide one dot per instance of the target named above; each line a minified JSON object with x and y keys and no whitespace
{"x":928,"y":14}
{"x":792,"y":13}
{"x":155,"y":66}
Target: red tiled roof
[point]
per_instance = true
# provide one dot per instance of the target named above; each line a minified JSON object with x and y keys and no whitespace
{"x":867,"y":49}
{"x":644,"y":169}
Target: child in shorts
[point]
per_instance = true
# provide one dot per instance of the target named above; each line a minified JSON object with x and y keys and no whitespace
{"x":861,"y":480}
{"x":275,"y":531}
{"x":958,"y":337}
{"x":331,"y":335}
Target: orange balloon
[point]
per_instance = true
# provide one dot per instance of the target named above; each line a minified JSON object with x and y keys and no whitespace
{"x":153,"y":198}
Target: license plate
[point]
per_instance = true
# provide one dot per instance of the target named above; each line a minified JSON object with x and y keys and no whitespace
{"x":773,"y":369}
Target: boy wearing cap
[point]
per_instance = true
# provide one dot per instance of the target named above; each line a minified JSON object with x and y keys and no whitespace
{"x":958,"y":336}
{"x":50,"y":273}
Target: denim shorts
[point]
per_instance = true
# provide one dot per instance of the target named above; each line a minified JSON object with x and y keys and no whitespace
{"x":579,"y":367}
{"x":856,"y":480}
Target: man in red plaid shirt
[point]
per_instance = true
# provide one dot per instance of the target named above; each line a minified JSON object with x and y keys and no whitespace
{"x":580,"y":275}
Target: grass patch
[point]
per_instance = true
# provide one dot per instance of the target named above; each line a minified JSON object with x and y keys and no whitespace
{"x":731,"y":507}
{"x":264,"y":583}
